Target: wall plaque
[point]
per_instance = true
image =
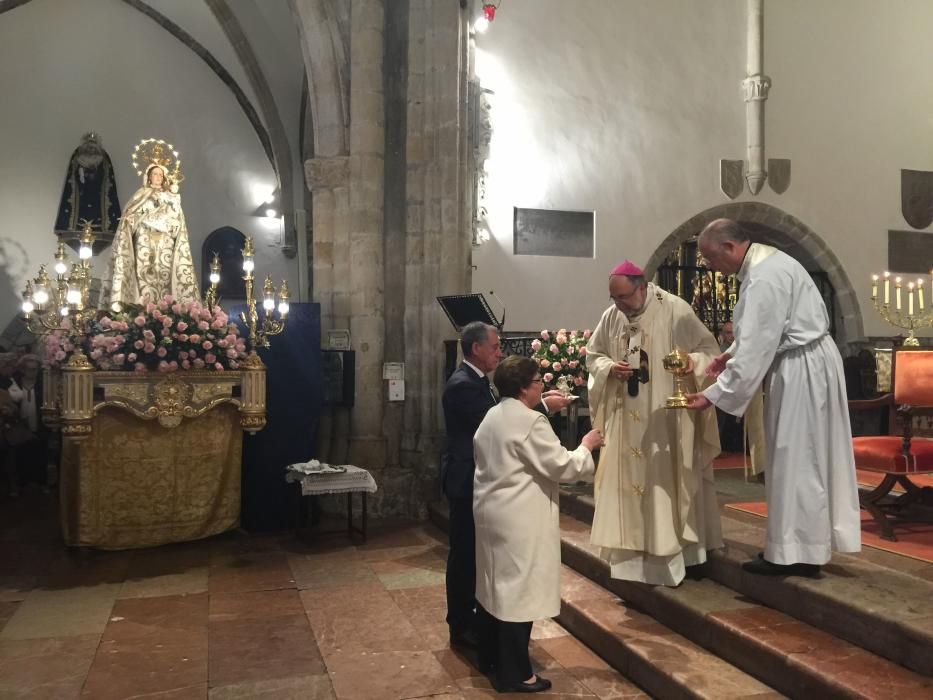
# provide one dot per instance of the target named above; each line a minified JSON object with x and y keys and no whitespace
{"x":566,"y":234}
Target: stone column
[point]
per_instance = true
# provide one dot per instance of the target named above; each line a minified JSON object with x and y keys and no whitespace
{"x":366,"y":254}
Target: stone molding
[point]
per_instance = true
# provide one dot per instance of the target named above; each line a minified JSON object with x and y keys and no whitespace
{"x":327,"y":173}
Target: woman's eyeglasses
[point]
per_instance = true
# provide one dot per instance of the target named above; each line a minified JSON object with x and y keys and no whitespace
{"x":537,"y":380}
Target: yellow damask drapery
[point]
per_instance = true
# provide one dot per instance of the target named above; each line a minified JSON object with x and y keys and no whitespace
{"x":134,"y":483}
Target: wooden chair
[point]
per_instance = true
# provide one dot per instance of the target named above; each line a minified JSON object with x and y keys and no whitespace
{"x":898,"y":456}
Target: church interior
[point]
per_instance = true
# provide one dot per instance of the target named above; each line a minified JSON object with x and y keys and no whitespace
{"x":241,"y":239}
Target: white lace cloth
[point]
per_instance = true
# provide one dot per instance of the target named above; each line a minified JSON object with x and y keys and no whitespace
{"x":321,"y":478}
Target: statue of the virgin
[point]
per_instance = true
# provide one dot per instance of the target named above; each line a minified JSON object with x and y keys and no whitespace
{"x":151,"y":255}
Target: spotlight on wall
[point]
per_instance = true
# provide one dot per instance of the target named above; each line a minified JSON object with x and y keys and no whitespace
{"x":481,"y":24}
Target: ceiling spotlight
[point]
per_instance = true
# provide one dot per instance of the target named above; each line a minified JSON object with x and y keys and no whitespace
{"x":271,"y":213}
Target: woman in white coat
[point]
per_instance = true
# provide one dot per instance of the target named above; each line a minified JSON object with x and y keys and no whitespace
{"x":519,"y":462}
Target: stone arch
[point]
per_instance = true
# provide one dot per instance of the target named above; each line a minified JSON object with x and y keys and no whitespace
{"x":790,"y":234}
{"x":227,"y":242}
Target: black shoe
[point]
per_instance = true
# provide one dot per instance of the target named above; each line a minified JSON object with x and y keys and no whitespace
{"x":763,"y":567}
{"x":464,"y":639}
{"x":696,"y":572}
{"x":540,"y":684}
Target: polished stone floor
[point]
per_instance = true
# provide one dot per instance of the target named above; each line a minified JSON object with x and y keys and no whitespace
{"x":240,"y":616}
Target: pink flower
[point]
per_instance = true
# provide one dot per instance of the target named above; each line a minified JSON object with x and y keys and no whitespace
{"x":95,"y":354}
{"x":545,"y":363}
{"x":161,"y":352}
{"x":207,"y":345}
{"x":573,"y":334}
{"x":131,"y":357}
{"x":578,"y":381}
{"x":173,"y":365}
{"x":150,"y":307}
{"x":168,"y":299}
{"x":148,"y":347}
{"x":556,"y":366}
{"x":547,"y":378}
{"x":563,"y":331}
{"x":119,"y":358}
{"x":571,"y":350}
{"x":582,"y":350}
{"x":574,"y":364}
{"x":205,"y":315}
{"x":192,"y":353}
{"x":148,"y":335}
{"x":234,"y":365}
{"x":166,"y":321}
{"x":138,"y":345}
{"x":198,"y":363}
{"x":139,"y":321}
{"x":545,"y":335}
{"x":586,"y":334}
{"x":194,"y":338}
{"x":231,"y":353}
{"x":163,"y":366}
{"x":217,"y":324}
{"x":554,"y":348}
{"x":105,"y":322}
{"x":140,"y":367}
{"x":561,"y":338}
{"x":219,"y":367}
{"x":203,"y":325}
{"x":536,"y":345}
{"x":176,"y":309}
{"x":210,"y":358}
{"x":183,"y":337}
{"x":185,"y":364}
{"x":157,"y":315}
{"x":181,"y":326}
{"x":60,"y":355}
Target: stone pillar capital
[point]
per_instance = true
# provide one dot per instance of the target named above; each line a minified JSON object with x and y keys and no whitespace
{"x":327,"y":173}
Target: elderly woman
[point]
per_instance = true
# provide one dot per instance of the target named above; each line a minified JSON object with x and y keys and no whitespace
{"x":519,"y":462}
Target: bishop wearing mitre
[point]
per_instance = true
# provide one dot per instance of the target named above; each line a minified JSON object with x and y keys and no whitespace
{"x":656,"y":509}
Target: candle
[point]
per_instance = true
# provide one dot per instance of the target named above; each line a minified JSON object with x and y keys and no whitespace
{"x":874,"y":287}
{"x":910,"y":299}
{"x":887,"y":287}
{"x":897,"y":293}
{"x":920,"y":293}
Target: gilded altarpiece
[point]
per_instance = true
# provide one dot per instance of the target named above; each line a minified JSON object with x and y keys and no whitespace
{"x":150,"y":459}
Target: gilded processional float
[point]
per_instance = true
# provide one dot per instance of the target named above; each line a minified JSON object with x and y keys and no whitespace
{"x":153,"y":388}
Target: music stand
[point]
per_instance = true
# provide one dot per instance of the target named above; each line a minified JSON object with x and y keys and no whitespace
{"x":462,"y":309}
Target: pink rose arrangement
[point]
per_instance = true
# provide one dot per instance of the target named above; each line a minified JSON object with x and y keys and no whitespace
{"x":561,"y":353}
{"x":152,"y":337}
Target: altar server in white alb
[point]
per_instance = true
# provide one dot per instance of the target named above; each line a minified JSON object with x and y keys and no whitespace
{"x":782,"y":339}
{"x":519,"y":462}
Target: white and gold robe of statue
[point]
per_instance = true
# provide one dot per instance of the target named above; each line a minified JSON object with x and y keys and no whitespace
{"x":519,"y":462}
{"x":782,"y":339}
{"x":151,"y":255}
{"x":656,"y":509}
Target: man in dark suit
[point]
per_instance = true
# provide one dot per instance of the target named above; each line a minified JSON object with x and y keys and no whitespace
{"x":467,"y":397}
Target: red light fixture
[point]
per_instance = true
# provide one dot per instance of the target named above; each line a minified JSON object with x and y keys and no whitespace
{"x":489,"y":12}
{"x":488,"y":15}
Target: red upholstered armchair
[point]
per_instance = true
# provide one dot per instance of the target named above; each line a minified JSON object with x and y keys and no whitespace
{"x":899,"y":454}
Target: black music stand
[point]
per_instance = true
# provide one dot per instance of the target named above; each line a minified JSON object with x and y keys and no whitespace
{"x":462,"y":309}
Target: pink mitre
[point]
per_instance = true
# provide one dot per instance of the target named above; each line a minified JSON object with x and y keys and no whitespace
{"x":628,"y":268}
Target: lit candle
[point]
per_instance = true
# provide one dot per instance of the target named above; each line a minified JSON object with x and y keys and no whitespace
{"x":920,"y":292}
{"x":897,"y":293}
{"x":910,"y":298}
{"x":874,"y":287}
{"x":887,"y":287}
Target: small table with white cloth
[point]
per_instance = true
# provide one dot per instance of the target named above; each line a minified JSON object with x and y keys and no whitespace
{"x":317,"y":479}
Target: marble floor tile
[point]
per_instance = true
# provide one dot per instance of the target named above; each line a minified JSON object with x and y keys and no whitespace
{"x":156,"y":619}
{"x":310,"y":571}
{"x":254,"y":605}
{"x":363,"y":618}
{"x":6,"y":611}
{"x":62,"y":613}
{"x":250,"y":571}
{"x":316,"y":687}
{"x":254,"y":649}
{"x":169,"y":570}
{"x":387,"y":675}
{"x":588,"y":668}
{"x":45,"y":668}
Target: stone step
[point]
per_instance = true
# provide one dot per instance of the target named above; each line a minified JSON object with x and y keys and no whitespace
{"x":790,"y":656}
{"x":878,"y":609}
{"x":662,"y":662}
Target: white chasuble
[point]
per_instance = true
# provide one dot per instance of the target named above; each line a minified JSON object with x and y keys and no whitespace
{"x":519,"y":464}
{"x":656,"y":508}
{"x":782,"y":340}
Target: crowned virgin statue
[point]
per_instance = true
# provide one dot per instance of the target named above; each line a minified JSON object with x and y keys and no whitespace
{"x":151,"y":255}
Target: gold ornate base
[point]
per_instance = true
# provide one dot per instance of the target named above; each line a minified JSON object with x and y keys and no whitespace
{"x":676,"y":401}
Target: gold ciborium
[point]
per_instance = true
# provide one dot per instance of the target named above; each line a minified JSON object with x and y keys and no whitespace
{"x":677,"y":362}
